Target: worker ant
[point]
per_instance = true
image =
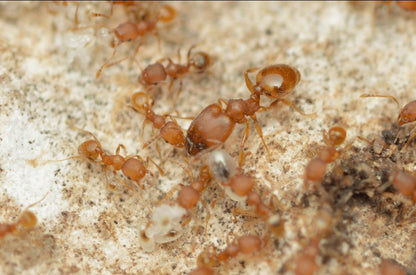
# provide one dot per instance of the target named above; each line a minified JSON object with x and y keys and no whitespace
{"x":157,"y":73}
{"x":246,"y":244}
{"x":132,"y":166}
{"x":168,"y":219}
{"x":407,"y":114}
{"x":214,"y":124}
{"x":170,"y":131}
{"x":240,"y":187}
{"x":27,"y":220}
{"x":131,"y":30}
{"x":316,"y":168}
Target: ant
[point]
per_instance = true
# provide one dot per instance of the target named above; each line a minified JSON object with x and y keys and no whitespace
{"x":131,"y":30}
{"x":224,"y":171}
{"x":170,"y":131}
{"x":246,"y":244}
{"x":133,"y":167}
{"x":407,"y":114}
{"x":214,"y":124}
{"x":316,"y":168}
{"x":27,"y":220}
{"x":157,"y":73}
{"x":165,"y":227}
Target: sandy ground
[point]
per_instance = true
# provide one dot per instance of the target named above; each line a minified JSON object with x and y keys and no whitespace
{"x":342,"y":50}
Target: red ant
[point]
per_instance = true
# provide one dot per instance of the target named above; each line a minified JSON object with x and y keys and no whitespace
{"x":157,"y":73}
{"x":316,"y":168}
{"x":133,"y":167}
{"x":131,"y":30}
{"x":407,"y":114}
{"x":27,"y":220}
{"x":246,"y":244}
{"x":242,"y":186}
{"x":214,"y":124}
{"x":163,"y":227}
{"x":170,"y":131}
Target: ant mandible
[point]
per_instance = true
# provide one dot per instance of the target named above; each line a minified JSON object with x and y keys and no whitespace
{"x":407,"y":114}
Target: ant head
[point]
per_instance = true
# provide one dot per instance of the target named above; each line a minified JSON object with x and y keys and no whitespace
{"x":153,"y":74}
{"x":167,"y":13}
{"x":335,"y":136}
{"x":28,"y":219}
{"x":407,"y":114}
{"x":201,"y":61}
{"x":90,"y":148}
{"x":277,"y":80}
{"x":142,"y":101}
{"x":126,"y":32}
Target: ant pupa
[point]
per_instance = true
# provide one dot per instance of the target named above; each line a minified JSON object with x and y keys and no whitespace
{"x":240,"y":187}
{"x":169,"y":218}
{"x":27,"y":220}
{"x":407,"y":114}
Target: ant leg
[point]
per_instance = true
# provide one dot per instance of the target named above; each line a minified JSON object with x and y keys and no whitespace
{"x":188,"y":55}
{"x":260,"y":133}
{"x":33,"y":204}
{"x":76,"y":17}
{"x":106,"y":62}
{"x":291,"y":104}
{"x":151,"y":141}
{"x":157,"y":166}
{"x":83,"y":131}
{"x":119,"y":147}
{"x":385,"y":96}
{"x":249,"y":84}
{"x":178,"y":92}
{"x":136,"y":51}
{"x":94,"y":14}
{"x":243,"y":142}
{"x":206,"y":219}
{"x":110,"y":186}
{"x":412,"y":136}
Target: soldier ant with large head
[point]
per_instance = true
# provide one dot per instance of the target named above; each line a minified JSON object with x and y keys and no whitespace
{"x":214,"y":124}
